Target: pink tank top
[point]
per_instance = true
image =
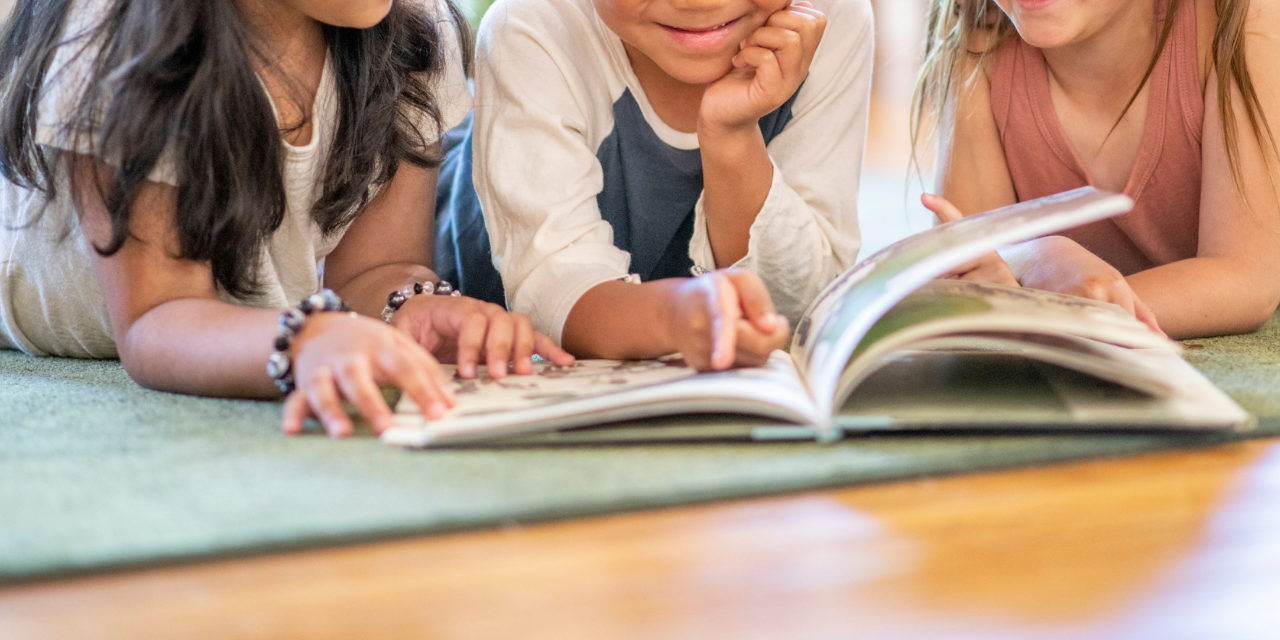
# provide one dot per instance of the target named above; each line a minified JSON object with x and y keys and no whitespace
{"x":1165,"y":183}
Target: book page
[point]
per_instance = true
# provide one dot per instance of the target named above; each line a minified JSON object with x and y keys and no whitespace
{"x":1089,"y":336}
{"x":596,"y":391}
{"x":957,"y":389}
{"x":840,"y":317}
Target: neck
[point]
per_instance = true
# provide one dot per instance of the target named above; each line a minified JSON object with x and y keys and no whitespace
{"x":289,"y":56}
{"x":1108,"y":65}
{"x":676,"y":102}
{"x":284,"y":33}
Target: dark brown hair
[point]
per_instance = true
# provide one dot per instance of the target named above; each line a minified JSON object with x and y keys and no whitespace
{"x":177,"y":78}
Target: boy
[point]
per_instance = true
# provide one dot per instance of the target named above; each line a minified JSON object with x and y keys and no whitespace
{"x":620,"y":142}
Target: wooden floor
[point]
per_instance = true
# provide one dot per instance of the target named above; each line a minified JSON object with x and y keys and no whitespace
{"x":1166,"y":546}
{"x":1176,"y":546}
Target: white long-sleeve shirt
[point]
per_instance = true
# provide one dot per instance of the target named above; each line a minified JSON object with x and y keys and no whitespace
{"x":563,"y":127}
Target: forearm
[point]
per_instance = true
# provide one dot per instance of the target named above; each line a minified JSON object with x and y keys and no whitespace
{"x":202,"y":347}
{"x":1201,"y":297}
{"x":737,"y":175}
{"x":620,"y":320}
{"x":367,"y":292}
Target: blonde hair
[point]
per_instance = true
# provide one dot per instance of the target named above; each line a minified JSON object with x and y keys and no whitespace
{"x":952,"y":26}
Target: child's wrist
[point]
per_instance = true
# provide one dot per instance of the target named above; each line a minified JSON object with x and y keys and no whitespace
{"x":418,"y":291}
{"x":731,"y":147}
{"x":291,"y":333}
{"x":710,"y":131}
{"x":669,"y":318}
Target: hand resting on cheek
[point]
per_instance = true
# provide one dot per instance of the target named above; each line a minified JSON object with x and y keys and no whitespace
{"x":772,"y":63}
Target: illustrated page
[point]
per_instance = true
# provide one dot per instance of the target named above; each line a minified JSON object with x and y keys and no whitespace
{"x":837,"y":321}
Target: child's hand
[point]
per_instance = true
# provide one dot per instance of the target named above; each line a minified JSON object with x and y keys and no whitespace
{"x":341,"y":356}
{"x":989,"y":268}
{"x":1060,"y":264}
{"x":726,"y":318}
{"x":774,"y":60}
{"x":466,"y":331}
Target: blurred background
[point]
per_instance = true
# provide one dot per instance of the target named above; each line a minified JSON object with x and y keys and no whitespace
{"x":889,"y":203}
{"x":889,"y":196}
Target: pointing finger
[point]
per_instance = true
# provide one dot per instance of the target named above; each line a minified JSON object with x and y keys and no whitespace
{"x":941,"y":207}
{"x":725,"y":315}
{"x":756,"y":303}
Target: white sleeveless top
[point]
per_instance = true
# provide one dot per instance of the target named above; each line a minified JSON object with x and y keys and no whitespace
{"x":50,"y":301}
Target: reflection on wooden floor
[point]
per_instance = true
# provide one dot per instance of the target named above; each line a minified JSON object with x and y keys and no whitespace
{"x":1165,"y":546}
{"x":1074,"y":545}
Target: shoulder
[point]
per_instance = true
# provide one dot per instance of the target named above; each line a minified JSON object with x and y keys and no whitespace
{"x":546,"y":48}
{"x":850,"y":29}
{"x":1261,"y":24}
{"x":1259,"y":21}
{"x":71,"y":71}
{"x":844,"y":59}
{"x":449,"y":85}
{"x":1256,"y":21}
{"x":548,"y":24}
{"x":850,"y":14}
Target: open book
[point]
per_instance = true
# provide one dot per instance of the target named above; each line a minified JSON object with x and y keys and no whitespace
{"x":887,"y":346}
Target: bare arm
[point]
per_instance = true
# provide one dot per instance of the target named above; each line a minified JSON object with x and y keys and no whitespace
{"x":737,"y":170}
{"x":165,"y":313}
{"x":972,"y":171}
{"x":389,"y":245}
{"x":1233,"y":283}
{"x":717,"y":320}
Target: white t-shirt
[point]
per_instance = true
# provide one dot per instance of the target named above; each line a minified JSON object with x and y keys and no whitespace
{"x":558,"y":122}
{"x":50,"y":301}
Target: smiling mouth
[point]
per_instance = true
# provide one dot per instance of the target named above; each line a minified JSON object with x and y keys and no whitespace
{"x":702,"y":29}
{"x":702,"y":40}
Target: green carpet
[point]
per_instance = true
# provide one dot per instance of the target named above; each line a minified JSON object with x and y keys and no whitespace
{"x":97,"y":473}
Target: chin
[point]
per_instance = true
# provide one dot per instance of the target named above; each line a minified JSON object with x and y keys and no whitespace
{"x":1047,"y":31}
{"x":699,"y":72}
{"x":365,"y":18}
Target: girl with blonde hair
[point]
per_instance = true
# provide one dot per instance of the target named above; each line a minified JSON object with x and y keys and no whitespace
{"x":1167,"y":101}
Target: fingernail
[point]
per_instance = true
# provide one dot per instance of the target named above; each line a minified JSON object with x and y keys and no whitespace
{"x":500,"y":368}
{"x":436,"y":410}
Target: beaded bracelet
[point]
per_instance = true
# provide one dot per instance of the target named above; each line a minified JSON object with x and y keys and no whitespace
{"x":280,"y":364}
{"x":397,"y":298}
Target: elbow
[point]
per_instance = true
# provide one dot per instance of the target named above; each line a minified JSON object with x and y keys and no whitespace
{"x":135,"y":366}
{"x":1260,"y":315}
{"x":1255,"y":315}
{"x":133,"y":358}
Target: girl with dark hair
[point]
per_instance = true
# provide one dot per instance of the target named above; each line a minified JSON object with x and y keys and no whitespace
{"x":179,"y":173}
{"x":1168,"y":101}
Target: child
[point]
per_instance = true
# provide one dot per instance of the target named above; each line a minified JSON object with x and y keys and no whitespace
{"x":622,"y":146}
{"x":1167,"y":101}
{"x":179,"y":172}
